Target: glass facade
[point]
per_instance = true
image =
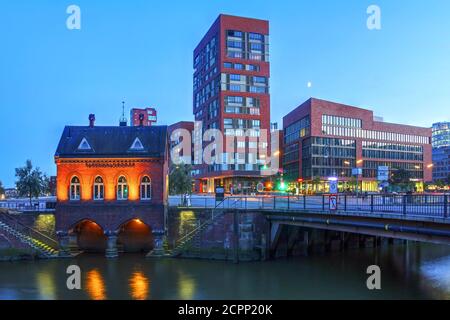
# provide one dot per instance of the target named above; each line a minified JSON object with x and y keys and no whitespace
{"x":441,"y":134}
{"x":328,"y":157}
{"x":297,"y":130}
{"x":441,"y":152}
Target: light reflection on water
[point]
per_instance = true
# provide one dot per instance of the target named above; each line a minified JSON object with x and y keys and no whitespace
{"x":408,"y":272}
{"x":139,"y":286}
{"x":95,"y":285}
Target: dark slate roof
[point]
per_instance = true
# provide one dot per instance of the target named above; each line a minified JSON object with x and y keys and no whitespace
{"x":112,"y":142}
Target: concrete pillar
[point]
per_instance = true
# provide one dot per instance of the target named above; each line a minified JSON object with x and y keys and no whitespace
{"x":158,"y":241}
{"x":111,"y":245}
{"x":63,"y":241}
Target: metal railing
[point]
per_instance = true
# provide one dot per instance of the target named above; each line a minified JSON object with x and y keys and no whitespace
{"x":435,"y":206}
{"x":25,"y":206}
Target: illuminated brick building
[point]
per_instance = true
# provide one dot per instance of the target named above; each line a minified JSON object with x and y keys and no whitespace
{"x":113,"y":180}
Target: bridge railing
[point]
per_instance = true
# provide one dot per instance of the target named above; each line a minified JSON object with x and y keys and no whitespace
{"x":23,"y":205}
{"x":415,"y":205}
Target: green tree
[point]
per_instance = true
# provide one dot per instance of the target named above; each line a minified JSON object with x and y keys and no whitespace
{"x":180,"y":179}
{"x":401,"y":178}
{"x":30,"y":181}
{"x":2,"y":189}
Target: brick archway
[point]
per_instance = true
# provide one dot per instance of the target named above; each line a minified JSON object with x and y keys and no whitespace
{"x":90,"y":236}
{"x":135,"y":236}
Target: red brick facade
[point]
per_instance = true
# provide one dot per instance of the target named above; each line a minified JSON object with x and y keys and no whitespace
{"x":378,"y":132}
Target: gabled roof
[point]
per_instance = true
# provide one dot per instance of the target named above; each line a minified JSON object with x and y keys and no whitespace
{"x":107,"y":142}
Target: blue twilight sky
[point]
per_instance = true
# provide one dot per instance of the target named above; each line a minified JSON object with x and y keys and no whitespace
{"x":141,"y":52}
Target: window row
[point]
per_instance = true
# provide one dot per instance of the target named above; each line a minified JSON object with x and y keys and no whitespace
{"x":122,"y":189}
{"x":341,"y":121}
{"x":375,"y":135}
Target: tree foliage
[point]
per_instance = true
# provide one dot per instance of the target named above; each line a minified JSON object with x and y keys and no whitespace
{"x":2,"y":189}
{"x":31,"y":182}
{"x":180,"y":179}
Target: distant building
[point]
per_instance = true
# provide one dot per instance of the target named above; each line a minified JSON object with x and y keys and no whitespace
{"x":11,"y":193}
{"x":324,"y":139}
{"x":441,"y":151}
{"x":145,"y":117}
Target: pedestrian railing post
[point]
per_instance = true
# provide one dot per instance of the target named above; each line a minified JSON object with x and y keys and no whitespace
{"x":445,"y":206}
{"x":345,"y":202}
{"x":274,"y":203}
{"x":288,"y":202}
{"x":371,"y":202}
{"x":323,"y":202}
{"x":404,"y":204}
{"x":304,"y":202}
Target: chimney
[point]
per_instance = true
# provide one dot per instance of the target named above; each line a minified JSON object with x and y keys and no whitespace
{"x":141,"y":120}
{"x":91,"y":120}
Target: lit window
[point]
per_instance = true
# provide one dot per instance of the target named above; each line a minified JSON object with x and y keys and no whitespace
{"x":99,"y":189}
{"x":75,"y":188}
{"x":122,"y":189}
{"x":146,"y":188}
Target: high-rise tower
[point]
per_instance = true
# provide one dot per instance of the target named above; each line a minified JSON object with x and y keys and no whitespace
{"x":231,"y":93}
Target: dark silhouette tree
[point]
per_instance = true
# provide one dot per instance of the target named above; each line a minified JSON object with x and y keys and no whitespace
{"x":2,"y":189}
{"x":31,"y":182}
{"x":180,"y":179}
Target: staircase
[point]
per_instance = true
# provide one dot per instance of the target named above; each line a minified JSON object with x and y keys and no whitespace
{"x":192,"y":240}
{"x":28,"y":236}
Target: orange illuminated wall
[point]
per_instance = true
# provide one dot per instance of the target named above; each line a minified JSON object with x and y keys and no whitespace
{"x":110,"y":170}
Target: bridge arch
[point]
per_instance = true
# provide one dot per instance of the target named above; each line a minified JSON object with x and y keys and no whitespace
{"x":135,"y":235}
{"x":90,"y":236}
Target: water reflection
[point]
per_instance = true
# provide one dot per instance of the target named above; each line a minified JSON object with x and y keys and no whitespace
{"x":46,"y":285}
{"x":409,"y":272}
{"x":139,"y":286}
{"x":95,"y":285}
{"x":186,"y":286}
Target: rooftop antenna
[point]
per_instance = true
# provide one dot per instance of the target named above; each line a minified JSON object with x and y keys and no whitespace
{"x":123,"y":120}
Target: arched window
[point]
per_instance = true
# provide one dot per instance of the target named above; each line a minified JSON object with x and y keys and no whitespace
{"x":99,"y":189}
{"x":75,"y":188}
{"x":122,"y":189}
{"x":146,"y":188}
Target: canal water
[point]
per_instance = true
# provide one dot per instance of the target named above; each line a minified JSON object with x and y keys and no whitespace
{"x":408,"y":272}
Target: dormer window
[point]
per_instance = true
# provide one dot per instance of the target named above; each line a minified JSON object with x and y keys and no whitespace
{"x":137,"y":145}
{"x":84,"y":145}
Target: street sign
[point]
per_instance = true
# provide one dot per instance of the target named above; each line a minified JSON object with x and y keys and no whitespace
{"x":356,"y":171}
{"x":383,"y":173}
{"x":334,"y":187}
{"x":260,"y":187}
{"x":333,"y":203}
{"x":220,"y":193}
